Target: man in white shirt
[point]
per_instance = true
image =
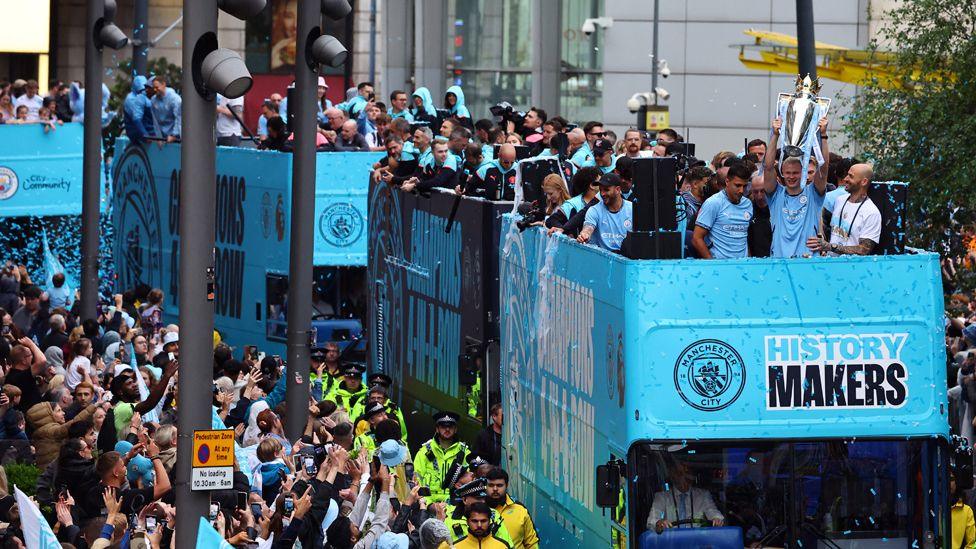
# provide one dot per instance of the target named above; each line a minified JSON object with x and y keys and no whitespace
{"x":228,"y":128}
{"x":681,"y":501}
{"x":31,"y":100}
{"x":855,"y":226}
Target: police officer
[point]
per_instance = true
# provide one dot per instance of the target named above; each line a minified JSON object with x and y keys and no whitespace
{"x":325,"y":363}
{"x":513,"y":514}
{"x":351,"y":393}
{"x":479,"y":530}
{"x":465,"y":496}
{"x":437,"y":457}
{"x":378,"y":393}
{"x":374,"y":413}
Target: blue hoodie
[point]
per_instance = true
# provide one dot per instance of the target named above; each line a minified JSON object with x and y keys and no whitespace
{"x":429,"y":111}
{"x":76,"y":99}
{"x":167,"y":113}
{"x":458,"y":110}
{"x":137,"y":111}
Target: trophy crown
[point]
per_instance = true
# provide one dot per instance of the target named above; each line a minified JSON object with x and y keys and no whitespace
{"x":808,"y":85}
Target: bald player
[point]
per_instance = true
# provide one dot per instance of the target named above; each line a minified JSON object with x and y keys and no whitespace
{"x":855,"y":225}
{"x":579,"y":150}
{"x":495,"y":179}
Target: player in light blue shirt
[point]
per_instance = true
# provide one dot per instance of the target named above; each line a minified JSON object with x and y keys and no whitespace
{"x":607,"y":223}
{"x":794,"y":211}
{"x":722,"y":225}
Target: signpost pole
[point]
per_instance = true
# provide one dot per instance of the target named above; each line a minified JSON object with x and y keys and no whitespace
{"x":302,"y":222}
{"x":197,"y":212}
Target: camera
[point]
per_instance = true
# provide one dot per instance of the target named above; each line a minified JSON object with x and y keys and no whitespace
{"x":536,"y":213}
{"x":589,"y":26}
{"x":507,"y":113}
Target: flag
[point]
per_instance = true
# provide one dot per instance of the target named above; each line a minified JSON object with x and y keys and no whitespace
{"x":207,"y":537}
{"x":37,"y":532}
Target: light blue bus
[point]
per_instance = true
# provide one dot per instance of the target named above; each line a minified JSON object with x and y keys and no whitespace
{"x":796,"y":403}
{"x":252,"y":238}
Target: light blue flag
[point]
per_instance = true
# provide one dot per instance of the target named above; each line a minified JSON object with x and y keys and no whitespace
{"x":37,"y":532}
{"x":207,"y":537}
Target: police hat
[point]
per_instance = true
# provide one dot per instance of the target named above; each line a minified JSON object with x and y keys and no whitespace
{"x":476,"y":488}
{"x":446,"y":418}
{"x":380,"y":379}
{"x":373,"y":409}
{"x":476,"y":461}
{"x":318,"y":354}
{"x":353,"y":369}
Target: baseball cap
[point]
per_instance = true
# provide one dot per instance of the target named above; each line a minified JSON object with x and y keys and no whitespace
{"x":610,"y":180}
{"x":322,"y":83}
{"x":602,"y":146}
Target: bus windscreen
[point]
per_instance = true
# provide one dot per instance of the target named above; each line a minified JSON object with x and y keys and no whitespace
{"x":825,"y":493}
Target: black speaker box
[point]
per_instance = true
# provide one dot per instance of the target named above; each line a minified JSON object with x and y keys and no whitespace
{"x":654,"y":192}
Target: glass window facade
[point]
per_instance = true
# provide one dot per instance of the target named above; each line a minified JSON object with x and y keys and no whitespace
{"x":581,"y":79}
{"x":490,"y":52}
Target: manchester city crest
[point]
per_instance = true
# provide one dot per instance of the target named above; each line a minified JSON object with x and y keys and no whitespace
{"x":709,"y":375}
{"x":341,"y":224}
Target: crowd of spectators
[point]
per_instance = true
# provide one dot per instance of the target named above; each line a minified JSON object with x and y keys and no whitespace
{"x":94,"y":405}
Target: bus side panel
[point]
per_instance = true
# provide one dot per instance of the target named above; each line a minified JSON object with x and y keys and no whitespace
{"x":251,"y":231}
{"x":562,"y":307}
{"x":784,"y":348}
{"x":427,"y":291}
{"x":341,"y":189}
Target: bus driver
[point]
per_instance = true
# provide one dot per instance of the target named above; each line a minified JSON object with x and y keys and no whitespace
{"x":681,"y":501}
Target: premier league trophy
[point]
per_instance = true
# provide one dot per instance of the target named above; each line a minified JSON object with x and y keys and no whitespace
{"x":801,"y":112}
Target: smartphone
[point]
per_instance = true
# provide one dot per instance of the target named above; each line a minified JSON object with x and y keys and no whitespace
{"x":289,"y":504}
{"x":310,"y":465}
{"x":253,"y":353}
{"x":256,"y":510}
{"x":151,"y":524}
{"x":5,"y":330}
{"x":171,"y":356}
{"x":214,"y":510}
{"x":241,"y":500}
{"x":123,"y":355}
{"x":424,"y":492}
{"x":261,"y":356}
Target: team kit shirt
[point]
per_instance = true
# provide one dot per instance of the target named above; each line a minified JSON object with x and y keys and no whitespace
{"x":853,"y":221}
{"x":794,"y":219}
{"x":610,"y":227}
{"x":727,"y":224}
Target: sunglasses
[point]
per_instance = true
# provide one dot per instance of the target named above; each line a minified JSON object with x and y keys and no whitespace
{"x":598,"y":134}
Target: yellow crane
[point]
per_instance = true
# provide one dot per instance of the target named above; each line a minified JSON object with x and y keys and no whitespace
{"x":778,"y":53}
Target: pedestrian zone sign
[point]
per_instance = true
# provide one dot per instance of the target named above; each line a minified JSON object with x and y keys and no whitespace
{"x":213,"y":460}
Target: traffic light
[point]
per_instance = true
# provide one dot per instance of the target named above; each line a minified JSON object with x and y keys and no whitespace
{"x":322,"y":48}
{"x":220,"y":70}
{"x":106,"y":33}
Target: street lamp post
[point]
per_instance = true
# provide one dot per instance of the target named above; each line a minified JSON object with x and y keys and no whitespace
{"x":312,"y":49}
{"x":101,"y":32}
{"x":212,"y":70}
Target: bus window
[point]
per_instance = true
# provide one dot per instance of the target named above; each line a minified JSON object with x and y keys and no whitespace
{"x":276,"y":295}
{"x":788,"y":493}
{"x":618,"y":514}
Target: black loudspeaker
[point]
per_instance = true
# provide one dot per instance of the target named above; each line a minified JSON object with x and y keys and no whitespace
{"x":654,"y":194}
{"x":891,"y":199}
{"x":533,"y":172}
{"x":652,"y":245}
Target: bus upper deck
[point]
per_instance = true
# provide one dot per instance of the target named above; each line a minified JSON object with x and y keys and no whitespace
{"x":252,"y":238}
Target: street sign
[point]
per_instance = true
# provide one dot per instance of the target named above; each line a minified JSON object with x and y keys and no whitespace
{"x":213,"y":460}
{"x":653,"y":118}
